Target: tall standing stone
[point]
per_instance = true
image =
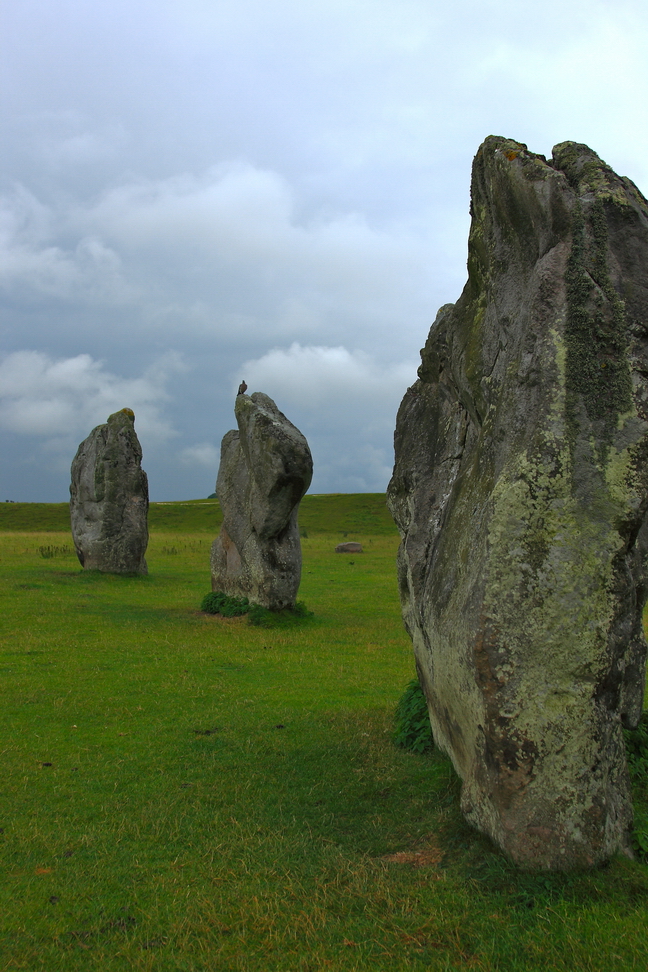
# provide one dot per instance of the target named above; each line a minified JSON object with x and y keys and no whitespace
{"x":109,"y":499}
{"x":520,"y":489}
{"x":265,"y":469}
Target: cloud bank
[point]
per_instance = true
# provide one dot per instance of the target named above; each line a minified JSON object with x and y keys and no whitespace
{"x":62,"y":399}
{"x":271,"y":190}
{"x":344,"y":401}
{"x":313,"y":377}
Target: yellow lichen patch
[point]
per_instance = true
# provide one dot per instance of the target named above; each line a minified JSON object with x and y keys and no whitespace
{"x":511,"y":155}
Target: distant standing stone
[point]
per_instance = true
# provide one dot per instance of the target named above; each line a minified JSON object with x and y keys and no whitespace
{"x":265,"y":469}
{"x":109,"y":499}
{"x":350,"y":547}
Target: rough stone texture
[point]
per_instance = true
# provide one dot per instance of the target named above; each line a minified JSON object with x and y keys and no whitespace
{"x":265,"y":469}
{"x":350,"y":547}
{"x":520,"y":490}
{"x":109,"y":499}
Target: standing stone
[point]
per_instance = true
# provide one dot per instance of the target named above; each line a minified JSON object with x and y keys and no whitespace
{"x":520,"y":490}
{"x":109,"y":499}
{"x":265,"y":469}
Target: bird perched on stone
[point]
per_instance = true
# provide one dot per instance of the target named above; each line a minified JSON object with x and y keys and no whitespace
{"x":242,"y":388}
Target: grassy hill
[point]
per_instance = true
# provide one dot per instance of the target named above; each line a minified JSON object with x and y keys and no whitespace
{"x":29,"y":517}
{"x":355,"y":515}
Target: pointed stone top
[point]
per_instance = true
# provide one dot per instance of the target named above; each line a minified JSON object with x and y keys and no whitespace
{"x":120,"y":417}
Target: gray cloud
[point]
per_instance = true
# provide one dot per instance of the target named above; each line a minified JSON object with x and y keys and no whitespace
{"x":62,"y":399}
{"x":275,"y":188}
{"x":202,"y":454}
{"x":336,"y":378}
{"x":344,"y":401}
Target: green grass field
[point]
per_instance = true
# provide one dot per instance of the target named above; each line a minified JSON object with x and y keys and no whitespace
{"x":181,"y":792}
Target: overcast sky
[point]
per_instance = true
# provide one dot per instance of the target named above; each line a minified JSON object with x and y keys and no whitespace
{"x":200,"y":191}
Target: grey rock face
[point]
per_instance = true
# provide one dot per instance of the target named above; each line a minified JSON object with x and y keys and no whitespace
{"x":520,"y":489}
{"x":265,"y":469}
{"x":109,"y":499}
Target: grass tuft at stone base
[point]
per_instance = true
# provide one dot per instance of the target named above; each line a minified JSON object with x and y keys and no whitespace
{"x":216,"y":602}
{"x":412,"y":730}
{"x":229,"y":607}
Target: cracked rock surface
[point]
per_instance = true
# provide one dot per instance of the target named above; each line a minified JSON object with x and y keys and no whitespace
{"x":265,"y":469}
{"x":520,"y":490}
{"x":109,"y":499}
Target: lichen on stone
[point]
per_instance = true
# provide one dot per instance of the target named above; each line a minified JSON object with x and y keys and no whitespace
{"x":598,"y":372}
{"x":265,"y":469}
{"x":109,"y":498}
{"x":520,"y":489}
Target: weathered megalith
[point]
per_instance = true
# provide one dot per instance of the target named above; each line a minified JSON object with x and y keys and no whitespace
{"x":520,"y":489}
{"x":265,"y":469}
{"x":109,"y":499}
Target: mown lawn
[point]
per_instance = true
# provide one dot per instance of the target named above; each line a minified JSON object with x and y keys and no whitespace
{"x":186,"y":793}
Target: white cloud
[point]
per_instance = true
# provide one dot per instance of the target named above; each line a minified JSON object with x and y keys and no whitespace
{"x":203,"y":454}
{"x":65,"y":398}
{"x":33,"y":257}
{"x":316,"y":377}
{"x":84,"y":146}
{"x":227,"y":207}
{"x":202,"y":251}
{"x":232,"y":235}
{"x":345,"y":402}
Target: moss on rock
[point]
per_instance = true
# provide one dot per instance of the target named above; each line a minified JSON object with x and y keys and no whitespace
{"x":520,"y":489}
{"x":109,"y":498}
